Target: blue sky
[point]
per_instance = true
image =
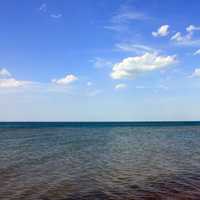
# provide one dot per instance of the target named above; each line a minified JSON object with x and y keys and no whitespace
{"x":99,"y":60}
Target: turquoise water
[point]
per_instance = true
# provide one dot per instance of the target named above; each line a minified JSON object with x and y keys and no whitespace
{"x":99,"y":161}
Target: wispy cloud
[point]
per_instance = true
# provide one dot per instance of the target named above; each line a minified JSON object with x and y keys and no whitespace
{"x":161,"y":87}
{"x":187,"y":39}
{"x":120,"y":86}
{"x":7,"y":81}
{"x":56,"y":16}
{"x":101,"y":62}
{"x":94,"y":92}
{"x":43,"y":7}
{"x":136,"y":48}
{"x":124,"y":16}
{"x":196,"y":73}
{"x":197,"y":52}
{"x":192,"y":28}
{"x":127,"y":14}
{"x":13,"y":83}
{"x":116,"y":27}
{"x":4,"y":73}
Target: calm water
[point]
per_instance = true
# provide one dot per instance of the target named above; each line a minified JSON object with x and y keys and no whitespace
{"x":96,"y":161}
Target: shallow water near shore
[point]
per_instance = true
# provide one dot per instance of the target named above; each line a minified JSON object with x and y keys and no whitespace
{"x":119,"y":161}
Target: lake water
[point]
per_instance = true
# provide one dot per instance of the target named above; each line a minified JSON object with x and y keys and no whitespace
{"x":100,"y":161}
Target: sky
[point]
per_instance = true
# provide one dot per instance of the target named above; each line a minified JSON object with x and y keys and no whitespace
{"x":91,"y":60}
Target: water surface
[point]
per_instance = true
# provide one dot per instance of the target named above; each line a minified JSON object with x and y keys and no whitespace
{"x":119,"y":161}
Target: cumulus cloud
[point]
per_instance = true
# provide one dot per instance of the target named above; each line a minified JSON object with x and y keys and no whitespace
{"x":196,"y":73}
{"x":132,"y":66}
{"x":197,"y":52}
{"x":187,"y":39}
{"x":162,"y":31}
{"x":4,"y":73}
{"x":68,"y":79}
{"x":120,"y":86}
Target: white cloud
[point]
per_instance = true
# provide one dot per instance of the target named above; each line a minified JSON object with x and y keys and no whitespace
{"x":12,"y":83}
{"x":126,"y":14}
{"x":132,"y":66}
{"x":68,"y":79}
{"x":46,"y":11}
{"x":4,"y":73}
{"x":56,"y":16}
{"x":187,"y":39}
{"x":7,"y":81}
{"x":196,"y":73}
{"x":178,"y":37}
{"x":137,"y":48}
{"x":197,"y":52}
{"x":120,"y":86}
{"x":101,"y":62}
{"x":192,"y":28}
{"x":162,"y":31}
{"x":116,"y":27}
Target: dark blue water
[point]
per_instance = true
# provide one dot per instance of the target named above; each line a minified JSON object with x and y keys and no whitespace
{"x":119,"y":161}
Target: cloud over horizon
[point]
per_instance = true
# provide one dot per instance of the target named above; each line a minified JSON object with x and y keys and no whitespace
{"x":7,"y":81}
{"x":12,"y":83}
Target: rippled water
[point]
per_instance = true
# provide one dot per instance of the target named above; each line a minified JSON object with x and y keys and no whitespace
{"x":99,"y":161}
